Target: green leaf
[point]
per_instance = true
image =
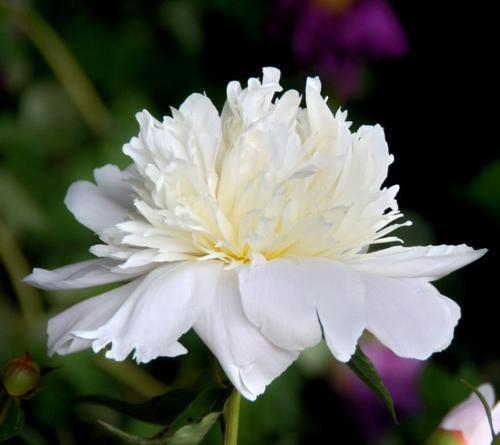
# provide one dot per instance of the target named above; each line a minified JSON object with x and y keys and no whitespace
{"x":187,"y":435}
{"x":210,"y":400}
{"x":11,"y":417}
{"x":189,"y":426}
{"x":160,"y":410}
{"x":496,"y":440}
{"x":361,"y":365}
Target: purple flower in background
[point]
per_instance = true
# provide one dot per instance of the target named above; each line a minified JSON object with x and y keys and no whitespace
{"x":400,"y":375}
{"x":337,"y":37}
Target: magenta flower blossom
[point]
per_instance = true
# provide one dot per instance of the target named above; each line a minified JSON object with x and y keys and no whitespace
{"x":338,"y":37}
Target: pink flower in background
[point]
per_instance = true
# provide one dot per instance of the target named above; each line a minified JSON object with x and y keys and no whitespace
{"x":467,"y":423}
{"x":401,"y":377}
{"x":338,"y":37}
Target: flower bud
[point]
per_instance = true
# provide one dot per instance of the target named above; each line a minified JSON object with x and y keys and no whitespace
{"x":445,"y":437}
{"x":21,"y":376}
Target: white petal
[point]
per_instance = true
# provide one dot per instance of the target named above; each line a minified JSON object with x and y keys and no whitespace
{"x":98,"y":206}
{"x":249,"y":360}
{"x":371,"y":158}
{"x":409,"y":315}
{"x":320,"y":115}
{"x":253,"y":102}
{"x":469,"y":417}
{"x":283,"y":298}
{"x":429,"y":262}
{"x":278,"y":299}
{"x":87,"y":315}
{"x":341,"y":309}
{"x":164,"y":306}
{"x":204,"y":131}
{"x":111,"y":180}
{"x":79,"y":275}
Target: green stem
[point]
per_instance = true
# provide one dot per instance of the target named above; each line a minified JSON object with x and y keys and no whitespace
{"x":132,"y":376}
{"x":63,"y":64}
{"x":231,"y":418}
{"x":17,"y":268}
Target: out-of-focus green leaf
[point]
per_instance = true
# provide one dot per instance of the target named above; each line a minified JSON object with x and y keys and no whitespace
{"x":366,"y":371}
{"x":183,"y":20}
{"x":485,"y":188}
{"x":48,"y":114}
{"x":161,"y":410}
{"x":441,"y":390}
{"x":11,"y":416}
{"x":315,"y":361}
{"x":17,"y":208}
{"x":259,"y":423}
{"x":16,"y":65}
{"x":190,"y":425}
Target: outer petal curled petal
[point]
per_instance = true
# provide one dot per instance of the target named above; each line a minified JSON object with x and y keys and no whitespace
{"x":87,"y":315}
{"x":162,"y":307}
{"x":429,"y":262}
{"x":409,"y":315}
{"x":250,"y":361}
{"x":80,"y":275}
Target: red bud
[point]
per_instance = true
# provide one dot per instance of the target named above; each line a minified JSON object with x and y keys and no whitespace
{"x":21,"y":376}
{"x":445,"y":437}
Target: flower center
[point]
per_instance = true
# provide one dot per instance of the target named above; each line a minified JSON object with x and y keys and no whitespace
{"x":263,"y":180}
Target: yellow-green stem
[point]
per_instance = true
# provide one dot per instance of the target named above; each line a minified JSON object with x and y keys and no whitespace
{"x":132,"y":376}
{"x":63,"y":64}
{"x":12,"y":257}
{"x":231,"y":418}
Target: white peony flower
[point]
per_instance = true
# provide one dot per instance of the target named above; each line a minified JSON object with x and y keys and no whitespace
{"x":467,"y":423}
{"x":252,"y":227}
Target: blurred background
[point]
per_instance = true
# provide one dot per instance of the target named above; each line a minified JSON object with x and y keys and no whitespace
{"x":74,"y":73}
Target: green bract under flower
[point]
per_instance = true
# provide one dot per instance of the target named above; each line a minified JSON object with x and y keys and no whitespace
{"x":253,"y":227}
